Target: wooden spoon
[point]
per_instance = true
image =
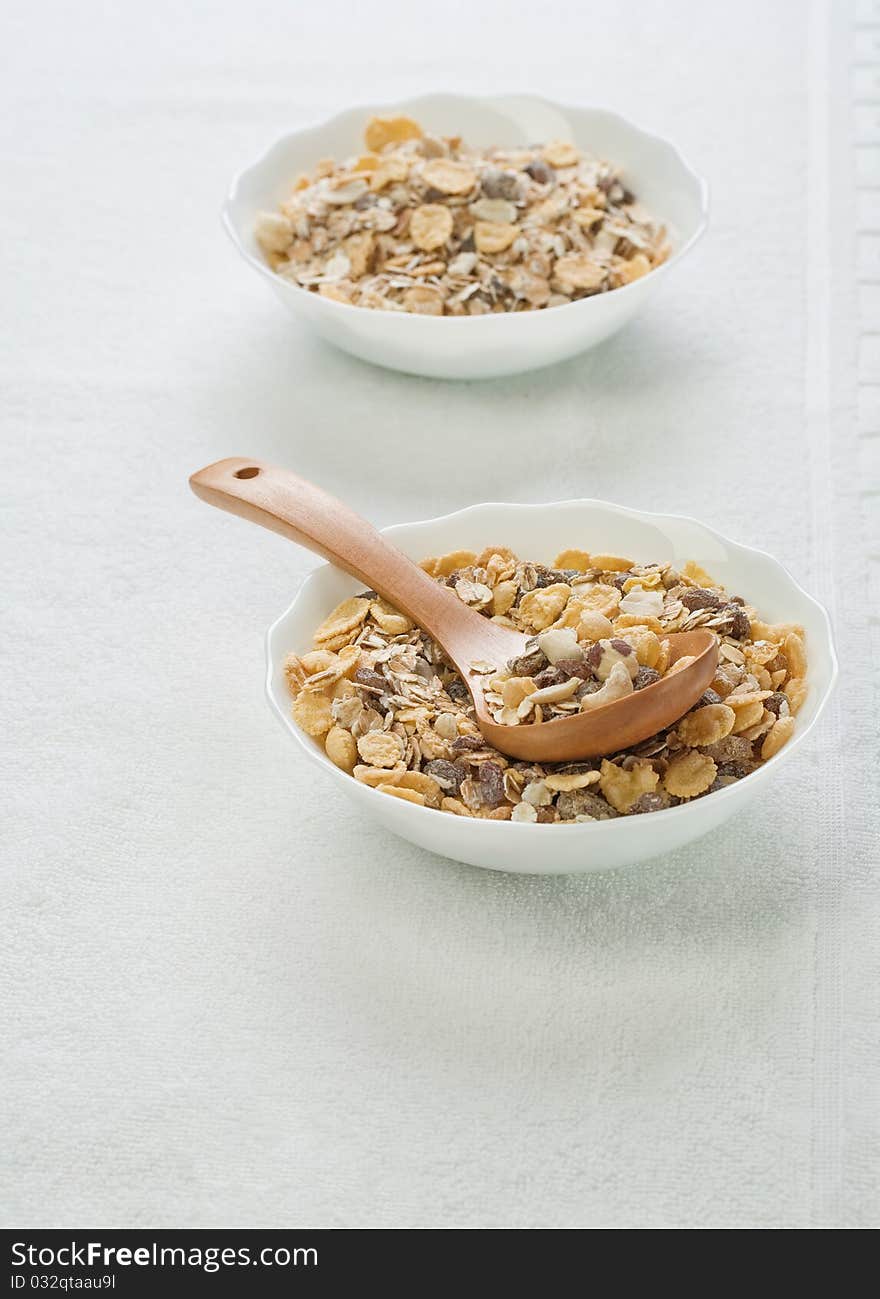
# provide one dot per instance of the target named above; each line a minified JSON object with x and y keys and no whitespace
{"x":279,"y":500}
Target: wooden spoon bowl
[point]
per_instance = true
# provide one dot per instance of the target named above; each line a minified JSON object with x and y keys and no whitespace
{"x":279,"y":500}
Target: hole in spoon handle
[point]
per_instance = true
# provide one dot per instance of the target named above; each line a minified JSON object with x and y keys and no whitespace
{"x":295,"y":508}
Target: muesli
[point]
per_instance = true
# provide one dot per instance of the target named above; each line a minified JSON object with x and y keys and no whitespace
{"x":376,"y":692}
{"x":427,"y":224}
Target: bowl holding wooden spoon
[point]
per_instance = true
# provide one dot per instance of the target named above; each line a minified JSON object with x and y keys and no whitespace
{"x":383,"y":561}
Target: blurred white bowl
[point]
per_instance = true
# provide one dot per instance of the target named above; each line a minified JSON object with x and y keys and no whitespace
{"x":541,"y":532}
{"x":475,"y":347}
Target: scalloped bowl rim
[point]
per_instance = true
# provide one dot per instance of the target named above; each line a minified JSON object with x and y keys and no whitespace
{"x":596,"y":828}
{"x":430,"y":322}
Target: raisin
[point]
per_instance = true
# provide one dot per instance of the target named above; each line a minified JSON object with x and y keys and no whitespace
{"x":594,"y":654}
{"x":540,"y":171}
{"x":467,"y":744}
{"x":656,"y":802}
{"x":619,"y":579}
{"x":448,"y":775}
{"x":500,"y":184}
{"x":709,"y":696}
{"x":736,"y":770}
{"x":588,"y":688}
{"x":457,"y":691}
{"x":740,"y":627}
{"x":550,"y":677}
{"x":573,"y":668}
{"x":367,"y":595}
{"x":698,"y":598}
{"x":645,"y":677}
{"x":548,"y":576}
{"x":622,"y":647}
{"x":491,"y":779}
{"x":776,"y":702}
{"x":367,"y":677}
{"x":733,"y":748}
{"x":528,"y":665}
{"x":583,"y":802}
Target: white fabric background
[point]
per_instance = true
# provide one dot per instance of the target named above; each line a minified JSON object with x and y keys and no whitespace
{"x":230,"y":1001}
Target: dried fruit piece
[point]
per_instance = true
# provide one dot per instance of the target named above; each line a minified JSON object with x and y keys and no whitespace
{"x":603,"y":656}
{"x":274,"y":232}
{"x":779,"y":734}
{"x":618,"y":685}
{"x":524,"y":812}
{"x":559,"y":643}
{"x":796,"y":692}
{"x":795,"y":655}
{"x":503,"y":597}
{"x":340,"y":748}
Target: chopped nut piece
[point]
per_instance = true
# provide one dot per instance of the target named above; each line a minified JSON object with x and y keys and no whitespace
{"x":781,"y":732}
{"x":524,"y":812}
{"x":341,"y":748}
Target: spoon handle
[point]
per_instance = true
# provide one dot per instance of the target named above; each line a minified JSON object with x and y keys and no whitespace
{"x":285,"y":503}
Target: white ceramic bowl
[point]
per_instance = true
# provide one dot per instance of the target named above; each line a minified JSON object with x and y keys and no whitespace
{"x":541,"y":532}
{"x":475,"y":347}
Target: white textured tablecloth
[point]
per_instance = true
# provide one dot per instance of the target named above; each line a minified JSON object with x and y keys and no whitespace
{"x":230,"y":1001}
